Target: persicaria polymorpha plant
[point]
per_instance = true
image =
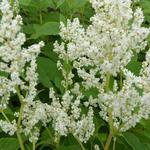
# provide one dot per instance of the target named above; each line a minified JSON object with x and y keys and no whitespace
{"x":91,"y":58}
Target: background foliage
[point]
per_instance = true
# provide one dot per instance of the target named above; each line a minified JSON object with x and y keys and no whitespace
{"x":41,"y":22}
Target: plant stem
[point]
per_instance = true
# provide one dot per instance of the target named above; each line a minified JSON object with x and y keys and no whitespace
{"x":21,"y":109}
{"x":41,"y":18}
{"x":4,"y":115}
{"x":11,"y":2}
{"x":20,"y":141}
{"x":20,"y":118}
{"x":108,"y":142}
{"x":110,"y":136}
{"x":33,"y":144}
{"x":121,"y":80}
{"x":80,"y":143}
{"x":57,"y":141}
{"x":107,"y":83}
{"x":19,"y":95}
{"x":110,"y":121}
{"x":114,"y":143}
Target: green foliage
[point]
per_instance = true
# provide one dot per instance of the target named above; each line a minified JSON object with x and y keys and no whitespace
{"x":72,"y":147}
{"x":41,"y":22}
{"x":9,"y":144}
{"x":134,"y":66}
{"x":49,"y":28}
{"x":133,"y":141}
{"x":145,"y":4}
{"x":48,"y":73}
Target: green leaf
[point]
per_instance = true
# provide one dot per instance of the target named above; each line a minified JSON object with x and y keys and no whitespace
{"x":121,"y":144}
{"x":90,"y":92}
{"x":145,"y":4}
{"x":73,"y":4}
{"x":148,"y":39}
{"x":46,"y":137}
{"x":28,"y":29}
{"x":49,"y":28}
{"x":134,"y":141}
{"x":69,"y":7}
{"x":62,"y":18}
{"x":59,"y":3}
{"x":134,"y":65}
{"x":51,"y":17}
{"x":24,"y":2}
{"x":4,"y":74}
{"x":48,"y":73}
{"x":38,"y":4}
{"x":48,"y":52}
{"x":8,"y":111}
{"x":9,"y":144}
{"x":72,"y":147}
{"x":145,"y":128}
{"x":28,"y":146}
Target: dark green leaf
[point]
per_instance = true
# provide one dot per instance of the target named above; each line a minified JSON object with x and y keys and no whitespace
{"x":9,"y":144}
{"x":72,"y":147}
{"x":48,"y":72}
{"x":134,"y":141}
{"x":134,"y":66}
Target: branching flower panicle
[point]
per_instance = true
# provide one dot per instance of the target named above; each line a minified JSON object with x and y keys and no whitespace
{"x":101,"y":53}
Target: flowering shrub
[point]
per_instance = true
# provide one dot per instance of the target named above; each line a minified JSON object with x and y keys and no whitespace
{"x":88,"y":88}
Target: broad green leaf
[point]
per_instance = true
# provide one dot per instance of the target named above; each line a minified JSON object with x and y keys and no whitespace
{"x":134,"y":141}
{"x":49,"y":28}
{"x":134,"y":66}
{"x":38,"y":4}
{"x":73,"y":4}
{"x":62,"y":18}
{"x":48,"y":52}
{"x":121,"y":143}
{"x":48,"y":73}
{"x":8,"y":111}
{"x":51,"y":17}
{"x":145,"y":4}
{"x":24,"y":2}
{"x":9,"y":144}
{"x":122,"y":146}
{"x":145,"y":129}
{"x":28,"y":29}
{"x":69,"y":7}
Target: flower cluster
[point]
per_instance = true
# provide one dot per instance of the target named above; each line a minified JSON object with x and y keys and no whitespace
{"x":100,"y":54}
{"x":110,"y":41}
{"x":14,"y":58}
{"x":66,"y":115}
{"x":20,"y":66}
{"x":17,"y":65}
